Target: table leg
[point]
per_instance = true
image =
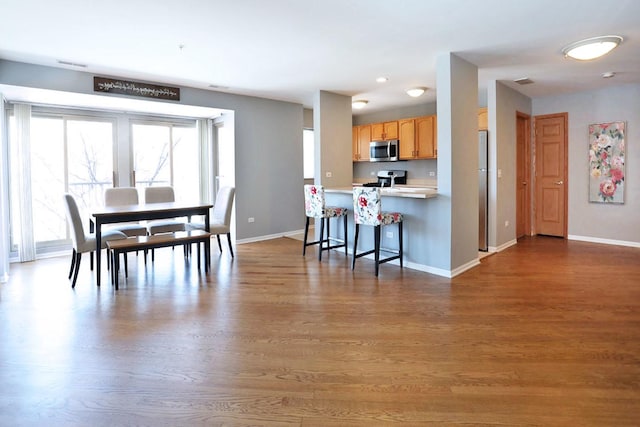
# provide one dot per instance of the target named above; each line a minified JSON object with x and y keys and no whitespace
{"x":98,"y":247}
{"x":207,"y":244}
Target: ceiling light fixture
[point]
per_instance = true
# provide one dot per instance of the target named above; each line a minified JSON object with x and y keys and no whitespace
{"x":359,"y":104}
{"x":416,"y":91}
{"x":382,"y":79}
{"x":592,"y":48}
{"x":608,"y":75}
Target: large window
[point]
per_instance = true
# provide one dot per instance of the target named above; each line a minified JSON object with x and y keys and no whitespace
{"x":59,"y":151}
{"x":67,"y":154}
{"x":167,"y":154}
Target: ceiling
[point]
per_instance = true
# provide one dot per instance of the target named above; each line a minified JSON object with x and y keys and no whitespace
{"x":290,"y":49}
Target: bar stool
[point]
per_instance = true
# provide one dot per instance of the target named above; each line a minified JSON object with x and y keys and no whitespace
{"x":367,"y":210}
{"x":314,"y":206}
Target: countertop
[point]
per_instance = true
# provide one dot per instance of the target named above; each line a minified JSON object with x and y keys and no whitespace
{"x":409,"y":191}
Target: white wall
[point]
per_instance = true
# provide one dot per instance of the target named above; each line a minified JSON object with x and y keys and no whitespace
{"x":613,"y":223}
{"x":268,"y":137}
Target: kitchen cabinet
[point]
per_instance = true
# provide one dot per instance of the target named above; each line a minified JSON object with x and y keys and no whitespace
{"x":384,"y":131}
{"x":360,"y":139}
{"x":483,"y":119}
{"x":418,"y":138}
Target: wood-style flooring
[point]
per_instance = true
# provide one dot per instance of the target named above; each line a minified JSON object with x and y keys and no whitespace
{"x":545,"y":333}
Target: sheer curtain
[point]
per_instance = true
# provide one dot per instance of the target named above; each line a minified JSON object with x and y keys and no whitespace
{"x":204,"y":129}
{"x":22,"y":160}
{"x":4,"y":196}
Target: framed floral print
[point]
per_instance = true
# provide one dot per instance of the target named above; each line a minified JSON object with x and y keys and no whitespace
{"x":606,"y":162}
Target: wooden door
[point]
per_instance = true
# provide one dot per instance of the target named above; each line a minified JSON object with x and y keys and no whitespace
{"x":551,"y":174}
{"x":425,"y":137}
{"x":523,"y":198}
{"x":407,"y":138}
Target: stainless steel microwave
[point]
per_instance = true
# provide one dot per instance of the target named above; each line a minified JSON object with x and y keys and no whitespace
{"x":384,"y":151}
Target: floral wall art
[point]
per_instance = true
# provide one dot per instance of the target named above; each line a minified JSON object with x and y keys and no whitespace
{"x":606,"y":162}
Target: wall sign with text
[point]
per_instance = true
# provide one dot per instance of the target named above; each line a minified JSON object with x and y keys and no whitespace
{"x":146,"y":90}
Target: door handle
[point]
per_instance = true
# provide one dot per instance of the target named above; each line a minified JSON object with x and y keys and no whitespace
{"x":524,"y":182}
{"x":559,"y":182}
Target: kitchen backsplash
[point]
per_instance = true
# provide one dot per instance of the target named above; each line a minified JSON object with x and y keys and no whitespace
{"x":419,"y":172}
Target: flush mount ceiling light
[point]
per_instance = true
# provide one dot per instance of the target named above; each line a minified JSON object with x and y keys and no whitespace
{"x":382,"y":79}
{"x":416,"y":91}
{"x":592,"y":48}
{"x":359,"y":104}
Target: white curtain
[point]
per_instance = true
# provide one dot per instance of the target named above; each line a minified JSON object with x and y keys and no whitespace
{"x":204,"y":127}
{"x":4,"y":196}
{"x":22,"y":150}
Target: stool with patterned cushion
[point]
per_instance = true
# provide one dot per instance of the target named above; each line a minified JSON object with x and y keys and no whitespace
{"x":367,"y":210}
{"x":314,"y":207}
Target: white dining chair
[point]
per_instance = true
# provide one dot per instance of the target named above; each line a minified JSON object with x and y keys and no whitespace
{"x":162,"y":194}
{"x":220,"y":222}
{"x":124,"y":196}
{"x":82,"y":242}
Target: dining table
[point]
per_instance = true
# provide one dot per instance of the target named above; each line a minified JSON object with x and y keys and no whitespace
{"x":146,"y":212}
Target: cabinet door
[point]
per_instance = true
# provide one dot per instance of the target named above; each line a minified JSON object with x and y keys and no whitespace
{"x":377,"y":131}
{"x":364,"y":138}
{"x":483,"y":119}
{"x":391,"y":130}
{"x":355,"y":147}
{"x":407,"y":138}
{"x":425,"y":137}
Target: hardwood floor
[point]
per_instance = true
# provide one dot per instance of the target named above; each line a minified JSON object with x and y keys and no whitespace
{"x":544,"y":333}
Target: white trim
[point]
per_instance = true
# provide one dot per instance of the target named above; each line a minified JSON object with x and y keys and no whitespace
{"x":604,"y":241}
{"x":408,"y":264}
{"x":503,"y":246}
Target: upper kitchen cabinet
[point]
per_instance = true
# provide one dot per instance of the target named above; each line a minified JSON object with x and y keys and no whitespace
{"x":361,"y":137}
{"x":418,"y":138}
{"x":384,"y":131}
{"x":483,"y":119}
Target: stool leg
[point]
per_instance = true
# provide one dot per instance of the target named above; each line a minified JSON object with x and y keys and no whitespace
{"x":345,"y":236}
{"x":400,"y":241}
{"x":376,"y":238}
{"x":321,"y":238}
{"x":355,"y":244}
{"x":306,"y":233}
{"x":126,"y":264}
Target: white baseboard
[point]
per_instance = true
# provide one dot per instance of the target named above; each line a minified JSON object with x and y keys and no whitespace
{"x":604,"y":241}
{"x":503,"y":246}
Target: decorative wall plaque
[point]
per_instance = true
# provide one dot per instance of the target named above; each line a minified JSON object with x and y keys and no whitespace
{"x":146,"y":90}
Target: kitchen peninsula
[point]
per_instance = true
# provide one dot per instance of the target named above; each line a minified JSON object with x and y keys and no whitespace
{"x":421,"y":228}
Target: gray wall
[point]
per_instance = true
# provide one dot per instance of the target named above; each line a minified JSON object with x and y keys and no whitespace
{"x":504,"y":102}
{"x":589,"y":221}
{"x":268,"y":137}
{"x":332,"y":132}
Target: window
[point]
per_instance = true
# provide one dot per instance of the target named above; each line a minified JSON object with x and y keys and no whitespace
{"x":308,"y":149}
{"x":54,"y":151}
{"x":167,"y":154}
{"x":66,"y":154}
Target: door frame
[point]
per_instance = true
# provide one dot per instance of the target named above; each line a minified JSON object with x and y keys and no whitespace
{"x":529,"y":167}
{"x":535,"y":200}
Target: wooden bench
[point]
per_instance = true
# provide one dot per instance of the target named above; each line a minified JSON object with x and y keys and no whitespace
{"x":117,"y":247}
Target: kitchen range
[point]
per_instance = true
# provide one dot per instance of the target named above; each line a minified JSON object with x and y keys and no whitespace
{"x":388,"y":178}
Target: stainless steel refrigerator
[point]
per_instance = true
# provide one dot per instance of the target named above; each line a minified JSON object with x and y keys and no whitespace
{"x":483,"y":202}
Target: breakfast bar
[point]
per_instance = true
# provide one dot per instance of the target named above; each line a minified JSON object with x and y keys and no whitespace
{"x":420,"y":232}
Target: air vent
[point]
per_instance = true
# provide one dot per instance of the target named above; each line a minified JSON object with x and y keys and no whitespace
{"x":72,"y":64}
{"x":524,"y":81}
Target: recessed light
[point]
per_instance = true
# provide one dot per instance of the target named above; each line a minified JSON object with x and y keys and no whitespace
{"x":382,"y":79}
{"x":592,"y":48}
{"x":359,"y":104}
{"x":608,"y":75}
{"x":416,"y":91}
{"x":523,"y":81}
